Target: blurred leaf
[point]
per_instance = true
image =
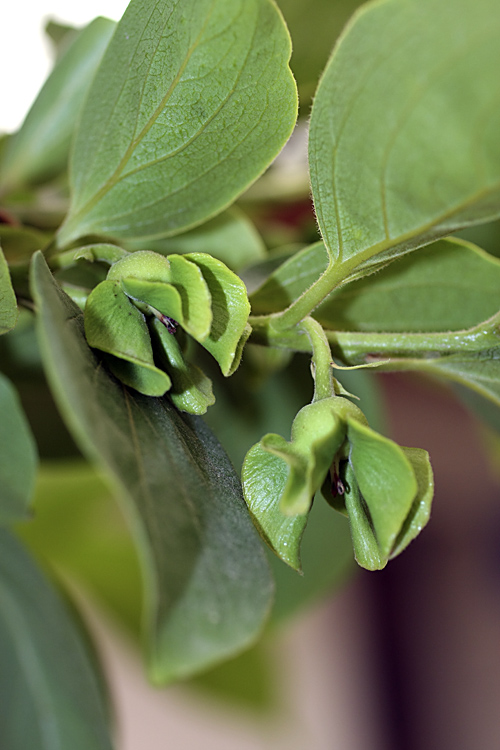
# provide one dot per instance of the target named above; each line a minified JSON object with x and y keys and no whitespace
{"x":486,"y":236}
{"x":18,"y":457}
{"x":231,"y":237}
{"x":60,"y":34}
{"x":169,"y":137}
{"x":43,"y":706}
{"x":19,"y":243}
{"x":208,"y":586}
{"x":40,"y":149}
{"x":447,"y":286}
{"x":79,"y":529}
{"x":480,"y":406}
{"x":8,"y":302}
{"x":428,"y":162}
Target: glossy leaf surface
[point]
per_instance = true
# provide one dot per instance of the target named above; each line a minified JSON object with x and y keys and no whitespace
{"x":191,"y":103}
{"x":43,"y":706}
{"x":40,"y":149}
{"x":425,"y":147}
{"x":8,"y":302}
{"x":208,"y":585}
{"x":18,"y":457}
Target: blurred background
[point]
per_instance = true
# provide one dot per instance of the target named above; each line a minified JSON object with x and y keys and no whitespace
{"x":408,"y":657}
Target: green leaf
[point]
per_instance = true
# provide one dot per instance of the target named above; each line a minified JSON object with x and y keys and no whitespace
{"x":420,"y":510}
{"x":230,"y":237}
{"x":230,"y":310}
{"x":191,"y":103}
{"x":208,"y":585}
{"x":385,"y":478}
{"x":40,"y":149}
{"x":18,"y":457}
{"x":8,"y":302}
{"x":447,"y":286}
{"x":364,"y":541}
{"x":287,"y":282}
{"x":51,"y":695}
{"x":264,"y":479}
{"x":404,"y":128}
{"x":115,"y":326}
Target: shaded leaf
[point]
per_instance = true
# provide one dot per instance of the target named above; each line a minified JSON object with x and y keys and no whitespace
{"x":447,"y":286}
{"x":51,"y":695}
{"x":18,"y":457}
{"x":420,"y":510}
{"x":410,"y":97}
{"x":8,"y":302}
{"x":191,"y":103}
{"x":364,"y":541}
{"x":40,"y":149}
{"x":208,"y":585}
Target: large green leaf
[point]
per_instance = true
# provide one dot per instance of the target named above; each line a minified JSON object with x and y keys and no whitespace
{"x":8,"y":302}
{"x":51,"y":695}
{"x":191,"y":103}
{"x":447,"y":286}
{"x":40,"y":149}
{"x":207,"y":581}
{"x":404,"y":141}
{"x":18,"y":457}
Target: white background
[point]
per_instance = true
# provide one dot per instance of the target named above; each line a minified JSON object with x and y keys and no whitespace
{"x":24,"y":52}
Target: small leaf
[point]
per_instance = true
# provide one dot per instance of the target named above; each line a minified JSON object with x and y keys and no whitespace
{"x":208,"y":585}
{"x":364,"y":541}
{"x":447,"y":286}
{"x":230,"y":237}
{"x":8,"y":302}
{"x":115,"y":326}
{"x":18,"y":457}
{"x":230,"y":311}
{"x":264,"y":477}
{"x":385,"y":478}
{"x":191,"y":103}
{"x":191,"y":390}
{"x":394,"y":167}
{"x":420,"y":510}
{"x":40,"y":149}
{"x":51,"y":694}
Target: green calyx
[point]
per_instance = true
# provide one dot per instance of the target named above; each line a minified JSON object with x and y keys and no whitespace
{"x":140,"y":313}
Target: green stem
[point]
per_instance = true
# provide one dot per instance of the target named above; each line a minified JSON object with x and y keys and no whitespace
{"x":321,"y":359}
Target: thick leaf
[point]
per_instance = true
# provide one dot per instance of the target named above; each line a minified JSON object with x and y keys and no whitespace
{"x":421,"y":508}
{"x":18,"y":457}
{"x":8,"y":302}
{"x":207,"y":580}
{"x":40,"y":149}
{"x":447,"y":286}
{"x":51,"y":695}
{"x":231,"y":237}
{"x":404,"y":128}
{"x":191,"y":103}
{"x":385,"y":478}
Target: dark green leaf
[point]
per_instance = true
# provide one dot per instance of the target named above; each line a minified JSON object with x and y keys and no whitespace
{"x":8,"y":302}
{"x":40,"y":149}
{"x":51,"y":695}
{"x":191,"y":103}
{"x":18,"y":457}
{"x":208,"y":585}
{"x":404,"y":128}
